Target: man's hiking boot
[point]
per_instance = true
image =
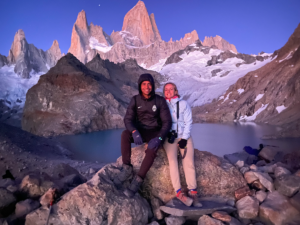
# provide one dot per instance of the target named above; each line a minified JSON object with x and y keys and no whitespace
{"x":125,"y":173}
{"x":133,"y":187}
{"x":184,"y":199}
{"x":193,"y":195}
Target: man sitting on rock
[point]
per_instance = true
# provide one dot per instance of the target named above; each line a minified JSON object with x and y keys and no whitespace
{"x":147,"y":119}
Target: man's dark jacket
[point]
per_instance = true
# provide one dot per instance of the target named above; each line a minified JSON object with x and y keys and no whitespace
{"x":149,"y":114}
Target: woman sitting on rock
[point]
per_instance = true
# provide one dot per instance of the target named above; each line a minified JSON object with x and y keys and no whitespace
{"x":180,"y":136}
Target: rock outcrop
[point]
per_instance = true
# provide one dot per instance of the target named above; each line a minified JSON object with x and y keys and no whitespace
{"x":96,"y":202}
{"x":3,"y":60}
{"x":221,"y":43}
{"x":139,"y":39}
{"x":27,"y":58}
{"x":215,"y":176}
{"x":138,"y":22}
{"x":267,"y":95}
{"x":73,"y":98}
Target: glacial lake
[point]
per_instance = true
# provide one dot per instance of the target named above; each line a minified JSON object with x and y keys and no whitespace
{"x":219,"y":139}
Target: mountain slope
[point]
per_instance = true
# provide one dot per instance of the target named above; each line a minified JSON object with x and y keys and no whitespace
{"x":203,"y":73}
{"x":267,"y":95}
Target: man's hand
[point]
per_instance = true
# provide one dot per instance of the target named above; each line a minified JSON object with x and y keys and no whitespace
{"x":137,"y":137}
{"x":182,"y":143}
{"x":154,"y":143}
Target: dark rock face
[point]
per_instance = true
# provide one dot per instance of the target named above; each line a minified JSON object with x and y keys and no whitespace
{"x":248,"y":59}
{"x":197,"y":46}
{"x":28,"y":58}
{"x":71,"y":98}
{"x":214,"y":72}
{"x":3,"y":60}
{"x":275,"y":86}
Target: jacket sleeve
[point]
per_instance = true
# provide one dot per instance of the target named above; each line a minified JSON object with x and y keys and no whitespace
{"x":166,"y":119}
{"x":188,"y":120}
{"x":130,"y":116}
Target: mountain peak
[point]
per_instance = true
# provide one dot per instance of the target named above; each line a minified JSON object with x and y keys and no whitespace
{"x":81,"y":21}
{"x":220,"y":42}
{"x":138,"y":22}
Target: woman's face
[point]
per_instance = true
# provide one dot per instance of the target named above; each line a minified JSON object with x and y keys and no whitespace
{"x":169,"y":91}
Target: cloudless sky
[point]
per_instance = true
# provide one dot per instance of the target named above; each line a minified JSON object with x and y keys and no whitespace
{"x":251,"y":25}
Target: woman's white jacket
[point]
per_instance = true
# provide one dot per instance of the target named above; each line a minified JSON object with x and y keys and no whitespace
{"x":185,"y":117}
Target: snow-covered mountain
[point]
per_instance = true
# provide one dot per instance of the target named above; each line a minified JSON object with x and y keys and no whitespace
{"x":269,"y":94}
{"x":19,"y":72}
{"x":204,"y":73}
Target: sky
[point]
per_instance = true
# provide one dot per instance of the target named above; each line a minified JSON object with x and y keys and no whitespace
{"x":251,"y":25}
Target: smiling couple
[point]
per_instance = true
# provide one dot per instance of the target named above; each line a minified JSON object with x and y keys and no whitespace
{"x":160,"y":122}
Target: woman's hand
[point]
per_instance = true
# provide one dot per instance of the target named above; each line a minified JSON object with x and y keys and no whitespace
{"x":182,"y":143}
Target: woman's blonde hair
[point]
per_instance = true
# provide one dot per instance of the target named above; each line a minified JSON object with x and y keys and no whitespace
{"x":175,"y":88}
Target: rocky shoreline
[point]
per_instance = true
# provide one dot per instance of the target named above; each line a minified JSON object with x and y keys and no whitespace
{"x":235,"y":189}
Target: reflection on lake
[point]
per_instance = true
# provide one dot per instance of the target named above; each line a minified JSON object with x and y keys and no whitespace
{"x":219,"y":139}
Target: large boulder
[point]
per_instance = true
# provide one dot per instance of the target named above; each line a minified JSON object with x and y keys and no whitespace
{"x":7,"y":202}
{"x":215,"y":175}
{"x":247,"y":207}
{"x":96,"y":202}
{"x":287,"y":185}
{"x":277,"y":210}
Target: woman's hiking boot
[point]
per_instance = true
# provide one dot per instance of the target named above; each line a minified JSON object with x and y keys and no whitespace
{"x":133,"y":187}
{"x":184,"y":199}
{"x":125,"y":173}
{"x":193,"y":195}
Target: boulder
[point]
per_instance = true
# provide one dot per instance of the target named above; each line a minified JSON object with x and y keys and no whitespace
{"x":175,"y":220}
{"x":209,"y":205}
{"x":277,"y":210}
{"x":62,"y":170}
{"x":268,"y":153}
{"x":72,"y":181}
{"x":261,"y":163}
{"x":214,"y":175}
{"x":287,"y":185}
{"x":258,"y":186}
{"x":7,"y":202}
{"x":242,"y":192}
{"x":234,"y":221}
{"x":253,"y":167}
{"x":279,"y":171}
{"x":207,"y":220}
{"x":261,"y":196}
{"x":96,"y":202}
{"x":156,"y":204}
{"x":250,"y":177}
{"x":34,"y":185}
{"x":48,"y":197}
{"x":240,"y":156}
{"x":25,"y":207}
{"x":247,"y":207}
{"x":244,"y":169}
{"x":221,"y":215}
{"x":265,"y":180}
{"x":295,"y":201}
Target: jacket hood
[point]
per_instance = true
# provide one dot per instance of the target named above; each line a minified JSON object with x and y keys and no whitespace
{"x":146,"y":77}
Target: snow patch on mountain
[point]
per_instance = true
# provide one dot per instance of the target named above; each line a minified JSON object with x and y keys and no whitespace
{"x":194,"y":78}
{"x":253,"y":117}
{"x":13,"y":89}
{"x":94,"y":44}
{"x":280,"y":108}
{"x":259,"y":97}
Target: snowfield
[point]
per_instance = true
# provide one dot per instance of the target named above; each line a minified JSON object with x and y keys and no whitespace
{"x":13,"y":89}
{"x":194,"y":78}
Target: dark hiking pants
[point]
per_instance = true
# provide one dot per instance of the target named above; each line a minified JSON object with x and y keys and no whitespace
{"x":127,"y":139}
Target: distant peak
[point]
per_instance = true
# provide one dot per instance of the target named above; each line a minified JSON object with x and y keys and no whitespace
{"x":55,"y":43}
{"x":81,"y":21}
{"x":20,"y":34}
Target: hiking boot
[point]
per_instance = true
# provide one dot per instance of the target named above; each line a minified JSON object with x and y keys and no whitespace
{"x":125,"y":173}
{"x":133,"y":187}
{"x":193,"y":195}
{"x":184,"y":199}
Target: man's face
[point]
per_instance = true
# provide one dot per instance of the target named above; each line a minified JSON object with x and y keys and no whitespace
{"x":146,"y":87}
